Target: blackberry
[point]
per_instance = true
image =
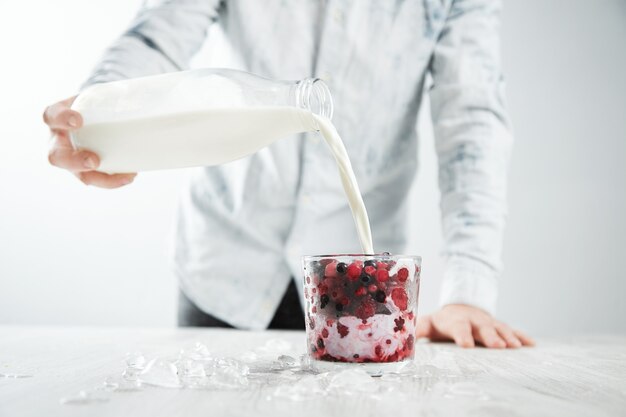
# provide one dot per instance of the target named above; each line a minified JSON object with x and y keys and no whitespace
{"x":380,"y":296}
{"x":355,"y":356}
{"x":339,"y":307}
{"x":342,"y":268}
{"x":371,"y":262}
{"x":320,"y":343}
{"x":324,"y":299}
{"x":365,"y":279}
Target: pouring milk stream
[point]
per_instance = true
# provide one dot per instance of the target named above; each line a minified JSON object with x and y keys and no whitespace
{"x":207,"y":117}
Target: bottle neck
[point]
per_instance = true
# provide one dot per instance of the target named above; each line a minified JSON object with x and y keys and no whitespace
{"x":313,"y":95}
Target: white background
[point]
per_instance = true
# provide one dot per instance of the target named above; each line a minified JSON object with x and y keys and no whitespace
{"x":71,"y":254}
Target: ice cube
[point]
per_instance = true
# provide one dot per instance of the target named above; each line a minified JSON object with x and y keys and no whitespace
{"x":351,"y":381}
{"x":160,"y":372}
{"x":86,"y":397}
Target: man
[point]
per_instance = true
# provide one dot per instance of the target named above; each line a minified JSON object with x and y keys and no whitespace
{"x":242,"y":227}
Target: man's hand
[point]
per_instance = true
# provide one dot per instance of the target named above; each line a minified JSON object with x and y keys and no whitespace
{"x":60,"y":118}
{"x":467,"y":325}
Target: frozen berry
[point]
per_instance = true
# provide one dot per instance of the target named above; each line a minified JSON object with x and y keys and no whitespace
{"x":399,"y":297}
{"x":409,"y":342}
{"x":344,"y":300}
{"x":372,"y":288}
{"x":403,"y":274}
{"x":325,"y":333}
{"x":342,"y":268}
{"x":388,"y":341}
{"x":370,"y":262}
{"x":370,"y":270}
{"x":365,"y":279}
{"x":382,"y":275}
{"x":355,"y":356}
{"x":382,"y":265}
{"x":308,"y":280}
{"x":380,"y":296}
{"x":320,"y":343}
{"x":360,"y":291}
{"x":366,"y":309}
{"x":339,"y":307}
{"x":354,"y":271}
{"x":342,"y":330}
{"x":324,"y":299}
{"x":331,"y":270}
{"x":378,"y":350}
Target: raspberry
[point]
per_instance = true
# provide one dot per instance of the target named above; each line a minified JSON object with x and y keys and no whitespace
{"x":382,"y":265}
{"x":325,"y":333}
{"x":398,"y":295}
{"x":370,"y":270}
{"x":342,"y":330}
{"x":360,"y":291}
{"x":378,"y":350}
{"x":344,"y":300}
{"x":409,"y":342}
{"x":331,"y":269}
{"x":382,"y":275}
{"x":403,"y":274}
{"x":354,"y":271}
{"x":372,"y":288}
{"x":366,"y":309}
{"x":388,"y":341}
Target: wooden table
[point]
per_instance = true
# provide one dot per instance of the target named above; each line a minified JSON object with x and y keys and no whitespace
{"x":577,"y":376}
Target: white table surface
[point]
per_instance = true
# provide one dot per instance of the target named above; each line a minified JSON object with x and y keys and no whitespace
{"x":578,"y":376}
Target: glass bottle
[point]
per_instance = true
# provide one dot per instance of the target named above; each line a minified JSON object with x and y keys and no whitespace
{"x":193,"y":118}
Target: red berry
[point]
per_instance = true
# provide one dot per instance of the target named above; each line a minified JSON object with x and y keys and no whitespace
{"x":342,"y":330}
{"x":378,"y":350}
{"x":388,"y":341}
{"x":314,"y":309}
{"x":372,"y":288}
{"x":308,"y":280}
{"x":382,"y":275}
{"x":360,"y":291}
{"x":366,"y":310}
{"x":354,"y":271}
{"x":329,"y":322}
{"x":399,"y":297}
{"x":344,"y":300}
{"x":331,"y":269}
{"x":382,"y":265}
{"x":370,"y":270}
{"x":325,"y":333}
{"x":403,"y":274}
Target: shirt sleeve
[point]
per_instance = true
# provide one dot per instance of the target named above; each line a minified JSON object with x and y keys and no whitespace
{"x":163,"y":37}
{"x":473,"y":141}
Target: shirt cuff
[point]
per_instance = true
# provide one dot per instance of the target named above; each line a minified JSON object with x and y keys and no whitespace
{"x":468,"y":281}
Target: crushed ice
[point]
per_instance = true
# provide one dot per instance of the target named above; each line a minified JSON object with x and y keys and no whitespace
{"x":271,"y":366}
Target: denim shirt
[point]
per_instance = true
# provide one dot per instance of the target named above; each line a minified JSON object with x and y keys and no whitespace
{"x":242,"y":227}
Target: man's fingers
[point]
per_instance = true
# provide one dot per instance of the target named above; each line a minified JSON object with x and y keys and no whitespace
{"x":102,"y":180}
{"x":74,"y":160}
{"x":526,"y":340}
{"x":461,"y":333}
{"x":424,"y":327}
{"x":506,"y":333}
{"x":61,"y":116}
{"x":486,"y":334}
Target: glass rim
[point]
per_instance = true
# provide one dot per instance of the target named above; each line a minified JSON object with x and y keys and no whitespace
{"x":371,"y":255}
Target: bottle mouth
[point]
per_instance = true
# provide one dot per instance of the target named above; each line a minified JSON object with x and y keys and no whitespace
{"x":313,"y":94}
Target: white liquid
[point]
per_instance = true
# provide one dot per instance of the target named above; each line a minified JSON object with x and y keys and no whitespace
{"x":212,"y":137}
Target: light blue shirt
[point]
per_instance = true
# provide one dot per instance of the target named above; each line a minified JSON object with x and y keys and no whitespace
{"x":242,"y":227}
